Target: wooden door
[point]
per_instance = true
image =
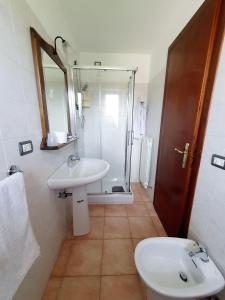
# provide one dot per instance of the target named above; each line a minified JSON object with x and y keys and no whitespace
{"x":188,"y":65}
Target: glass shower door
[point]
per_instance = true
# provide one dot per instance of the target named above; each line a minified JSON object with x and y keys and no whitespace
{"x":129,"y":132}
{"x":107,"y":125}
{"x":113,"y":135}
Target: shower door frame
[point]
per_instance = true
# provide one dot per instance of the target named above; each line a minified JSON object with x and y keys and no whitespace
{"x":129,"y":133}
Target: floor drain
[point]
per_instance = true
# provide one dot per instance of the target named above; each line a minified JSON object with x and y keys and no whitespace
{"x":183,"y":276}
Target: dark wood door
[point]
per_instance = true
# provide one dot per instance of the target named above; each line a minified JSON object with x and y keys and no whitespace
{"x":187,"y":72}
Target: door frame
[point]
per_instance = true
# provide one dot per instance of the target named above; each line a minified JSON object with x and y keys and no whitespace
{"x":202,"y":119}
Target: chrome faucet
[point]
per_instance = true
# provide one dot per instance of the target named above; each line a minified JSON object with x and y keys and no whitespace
{"x":201,"y":253}
{"x":72,"y":159}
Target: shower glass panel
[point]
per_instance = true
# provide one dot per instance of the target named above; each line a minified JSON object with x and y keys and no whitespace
{"x":106,"y":131}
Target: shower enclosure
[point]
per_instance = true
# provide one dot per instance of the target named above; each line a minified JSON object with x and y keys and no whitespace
{"x":105,"y":101}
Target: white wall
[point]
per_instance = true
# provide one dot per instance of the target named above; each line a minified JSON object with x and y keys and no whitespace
{"x":51,"y":17}
{"x":158,"y":56}
{"x":153,"y":121}
{"x":182,"y":13}
{"x":19,"y":121}
{"x":142,"y":61}
{"x":207,"y":220}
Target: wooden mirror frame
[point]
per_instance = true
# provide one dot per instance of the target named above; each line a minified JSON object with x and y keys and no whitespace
{"x":39,"y":43}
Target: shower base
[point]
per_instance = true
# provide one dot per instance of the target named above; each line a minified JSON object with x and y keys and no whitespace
{"x":110,"y":198}
{"x":100,"y":192}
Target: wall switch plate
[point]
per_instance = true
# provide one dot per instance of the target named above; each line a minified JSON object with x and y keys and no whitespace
{"x":218,"y":161}
{"x":25,"y":147}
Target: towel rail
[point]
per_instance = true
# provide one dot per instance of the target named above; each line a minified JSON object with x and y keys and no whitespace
{"x":13,"y":169}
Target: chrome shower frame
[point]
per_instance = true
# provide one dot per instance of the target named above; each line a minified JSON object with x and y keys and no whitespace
{"x":129,"y":133}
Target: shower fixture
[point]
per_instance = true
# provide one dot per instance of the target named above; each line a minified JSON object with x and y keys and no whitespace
{"x":55,"y":47}
{"x":84,"y":88}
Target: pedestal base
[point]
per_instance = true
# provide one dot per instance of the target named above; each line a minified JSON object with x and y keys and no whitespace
{"x":81,"y":218}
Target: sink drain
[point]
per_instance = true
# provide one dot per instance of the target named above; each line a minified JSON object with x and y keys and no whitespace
{"x":183,"y":276}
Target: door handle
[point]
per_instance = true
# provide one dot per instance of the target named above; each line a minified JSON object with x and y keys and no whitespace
{"x":185,"y":153}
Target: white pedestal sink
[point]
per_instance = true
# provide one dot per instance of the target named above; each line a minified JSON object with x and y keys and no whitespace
{"x":85,"y":171}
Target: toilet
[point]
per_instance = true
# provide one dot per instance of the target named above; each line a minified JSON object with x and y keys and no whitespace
{"x":170,"y":272}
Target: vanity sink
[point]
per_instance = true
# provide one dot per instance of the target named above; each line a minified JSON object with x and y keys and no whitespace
{"x":170,"y":270}
{"x":76,"y":174}
{"x":85,"y":171}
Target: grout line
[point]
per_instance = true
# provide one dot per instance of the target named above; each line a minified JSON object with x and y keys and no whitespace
{"x":138,"y":194}
{"x":101,"y":265}
{"x":94,"y":275}
{"x":58,"y":292}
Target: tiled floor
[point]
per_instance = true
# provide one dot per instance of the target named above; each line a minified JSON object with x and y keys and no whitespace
{"x":100,"y":265}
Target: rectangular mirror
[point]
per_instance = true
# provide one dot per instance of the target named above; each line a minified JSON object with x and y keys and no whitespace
{"x":52,"y":86}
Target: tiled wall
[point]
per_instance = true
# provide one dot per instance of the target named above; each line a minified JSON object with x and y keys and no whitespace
{"x":19,"y":121}
{"x":142,"y":61}
{"x":208,"y":214}
{"x":154,"y":109}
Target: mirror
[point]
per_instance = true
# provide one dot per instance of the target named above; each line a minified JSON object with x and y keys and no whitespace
{"x":52,"y":86}
{"x":55,"y":95}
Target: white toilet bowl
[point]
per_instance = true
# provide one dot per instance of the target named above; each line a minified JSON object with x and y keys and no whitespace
{"x":165,"y":266}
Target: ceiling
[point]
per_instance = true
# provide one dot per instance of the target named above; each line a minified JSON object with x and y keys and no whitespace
{"x":114,"y":26}
{"x":124,"y":26}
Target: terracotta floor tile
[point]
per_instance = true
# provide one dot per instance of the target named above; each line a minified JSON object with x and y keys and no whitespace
{"x":121,"y":288}
{"x":118,"y":257}
{"x":96,"y":232}
{"x":61,"y":262}
{"x":97,"y":228}
{"x":52,"y":289}
{"x":115,"y":210}
{"x":96,"y":210}
{"x":85,"y":258}
{"x":136,"y":187}
{"x":145,"y":195}
{"x":141,"y":227}
{"x":135,"y":242}
{"x":69,"y":232}
{"x":158,"y":226}
{"x":151,"y":209}
{"x":136,"y":210}
{"x":80,"y":288}
{"x":137,"y":197}
{"x":116,"y":228}
{"x":140,"y":193}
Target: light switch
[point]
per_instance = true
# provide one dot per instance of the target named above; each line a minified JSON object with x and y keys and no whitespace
{"x":218,"y":161}
{"x":25,"y":147}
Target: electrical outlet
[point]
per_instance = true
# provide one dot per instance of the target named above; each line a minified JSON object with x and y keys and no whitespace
{"x":25,"y":147}
{"x":218,"y":161}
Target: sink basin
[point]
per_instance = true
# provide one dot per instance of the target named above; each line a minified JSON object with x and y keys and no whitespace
{"x":167,"y":269}
{"x":85,"y":171}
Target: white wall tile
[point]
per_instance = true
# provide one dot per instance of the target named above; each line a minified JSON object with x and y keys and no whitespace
{"x":20,"y":120}
{"x":207,"y":219}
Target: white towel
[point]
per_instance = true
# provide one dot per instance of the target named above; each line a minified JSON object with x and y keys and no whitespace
{"x":18,"y":246}
{"x":139,"y":120}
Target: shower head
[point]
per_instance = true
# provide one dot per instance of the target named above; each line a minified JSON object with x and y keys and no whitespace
{"x":84,"y":88}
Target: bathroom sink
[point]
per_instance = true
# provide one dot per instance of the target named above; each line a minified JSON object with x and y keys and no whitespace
{"x":82,"y":172}
{"x":85,"y":171}
{"x":166,"y":267}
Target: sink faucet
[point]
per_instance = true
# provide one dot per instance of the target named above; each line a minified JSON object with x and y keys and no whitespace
{"x":201,"y":253}
{"x":71,"y":160}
